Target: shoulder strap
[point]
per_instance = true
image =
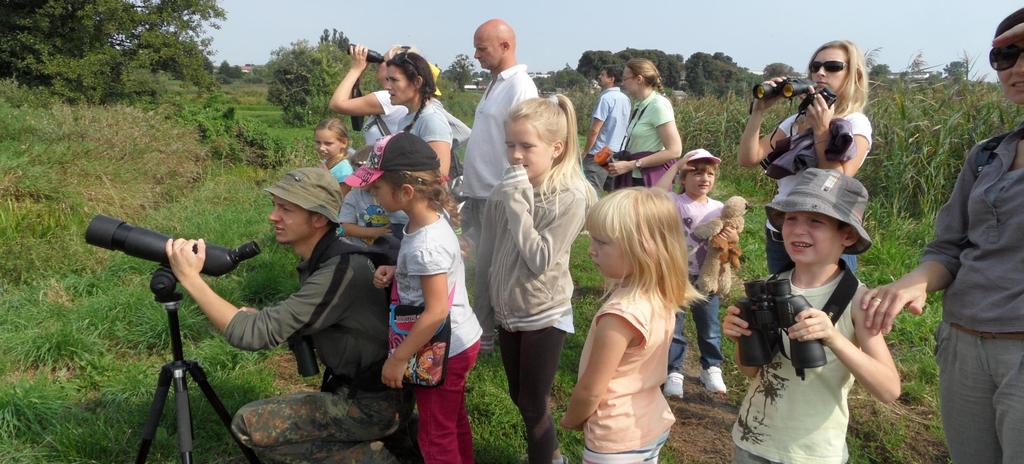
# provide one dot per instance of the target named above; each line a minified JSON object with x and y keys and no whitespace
{"x":842,"y":295}
{"x":343,"y":250}
{"x":632,"y":117}
{"x":987,"y":154}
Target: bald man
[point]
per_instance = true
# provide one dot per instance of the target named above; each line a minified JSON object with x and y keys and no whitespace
{"x":495,"y":47}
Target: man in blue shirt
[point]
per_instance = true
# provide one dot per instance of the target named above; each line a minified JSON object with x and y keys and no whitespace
{"x":608,"y":126}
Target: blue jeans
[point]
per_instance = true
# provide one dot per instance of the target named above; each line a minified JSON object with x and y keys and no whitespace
{"x":778,"y":259}
{"x":709,"y":335}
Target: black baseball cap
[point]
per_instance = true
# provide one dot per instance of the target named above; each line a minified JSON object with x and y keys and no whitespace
{"x":399,"y":152}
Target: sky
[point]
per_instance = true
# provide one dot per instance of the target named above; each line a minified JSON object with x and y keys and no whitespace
{"x":554,"y":33}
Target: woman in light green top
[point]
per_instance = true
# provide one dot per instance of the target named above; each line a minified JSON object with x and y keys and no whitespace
{"x":651,"y":128}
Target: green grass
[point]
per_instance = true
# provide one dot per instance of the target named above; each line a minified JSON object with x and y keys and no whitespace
{"x":81,"y":341}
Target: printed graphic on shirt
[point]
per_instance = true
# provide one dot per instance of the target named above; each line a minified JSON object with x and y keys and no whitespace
{"x":375,"y":216}
{"x":698,"y":248}
{"x":769,"y":390}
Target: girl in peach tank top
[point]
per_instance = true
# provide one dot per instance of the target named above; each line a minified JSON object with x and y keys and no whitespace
{"x":617,"y":401}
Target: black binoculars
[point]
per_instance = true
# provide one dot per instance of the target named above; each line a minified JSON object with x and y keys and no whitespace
{"x":769,"y":309}
{"x":792,"y":87}
{"x":305,"y":356}
{"x":371,"y":56}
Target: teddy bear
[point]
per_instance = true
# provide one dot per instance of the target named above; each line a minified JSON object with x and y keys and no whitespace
{"x":723,"y":259}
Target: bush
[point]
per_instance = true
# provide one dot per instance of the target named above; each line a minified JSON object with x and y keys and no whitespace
{"x":303,"y":79}
{"x":232,"y":139}
{"x":19,"y":96}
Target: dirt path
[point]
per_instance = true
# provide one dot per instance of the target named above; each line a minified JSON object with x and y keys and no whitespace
{"x":704,"y":421}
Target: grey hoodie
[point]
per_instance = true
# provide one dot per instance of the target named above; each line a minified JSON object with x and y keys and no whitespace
{"x":522,"y":268}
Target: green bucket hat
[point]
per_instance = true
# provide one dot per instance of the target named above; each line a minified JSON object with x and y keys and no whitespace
{"x":314,"y":189}
{"x":830,"y":193}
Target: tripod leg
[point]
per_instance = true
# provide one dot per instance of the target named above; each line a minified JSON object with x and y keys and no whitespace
{"x":199,"y":375}
{"x":184,"y":414}
{"x":156,"y":408}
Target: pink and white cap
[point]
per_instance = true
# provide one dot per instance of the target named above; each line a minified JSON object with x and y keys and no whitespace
{"x":700,"y":153}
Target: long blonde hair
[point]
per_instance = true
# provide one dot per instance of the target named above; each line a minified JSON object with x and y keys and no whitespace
{"x":854,"y":94}
{"x":646,"y":224}
{"x":554,"y":119}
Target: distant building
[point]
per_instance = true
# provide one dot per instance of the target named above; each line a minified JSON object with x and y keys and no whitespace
{"x":247,"y":68}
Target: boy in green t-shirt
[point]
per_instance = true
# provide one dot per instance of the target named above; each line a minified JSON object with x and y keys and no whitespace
{"x":784,"y":418}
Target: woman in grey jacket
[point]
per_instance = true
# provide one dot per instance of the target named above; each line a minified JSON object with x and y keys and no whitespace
{"x":522,"y":272}
{"x":977,"y":258}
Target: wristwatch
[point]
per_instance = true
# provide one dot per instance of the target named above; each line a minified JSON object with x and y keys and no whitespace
{"x":638,"y":163}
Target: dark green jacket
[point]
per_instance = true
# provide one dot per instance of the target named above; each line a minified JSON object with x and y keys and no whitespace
{"x":350,"y":332}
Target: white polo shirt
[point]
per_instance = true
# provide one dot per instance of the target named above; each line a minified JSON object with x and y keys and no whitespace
{"x":485,"y":153}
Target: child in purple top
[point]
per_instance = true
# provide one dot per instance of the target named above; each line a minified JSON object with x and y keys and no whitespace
{"x":696,"y":172}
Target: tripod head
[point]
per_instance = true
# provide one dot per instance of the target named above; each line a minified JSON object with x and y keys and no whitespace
{"x":164,"y":285}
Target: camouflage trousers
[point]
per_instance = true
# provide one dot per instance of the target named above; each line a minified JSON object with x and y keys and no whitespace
{"x":323,"y":427}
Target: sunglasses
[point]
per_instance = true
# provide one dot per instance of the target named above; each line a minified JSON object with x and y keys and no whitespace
{"x":1003,"y":58}
{"x":830,"y":66}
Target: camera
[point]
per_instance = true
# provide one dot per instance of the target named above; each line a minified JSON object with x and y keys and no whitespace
{"x":115,"y":234}
{"x":770,"y":309}
{"x":791,"y":87}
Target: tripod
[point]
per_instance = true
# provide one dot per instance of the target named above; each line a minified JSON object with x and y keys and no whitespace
{"x":163,"y":284}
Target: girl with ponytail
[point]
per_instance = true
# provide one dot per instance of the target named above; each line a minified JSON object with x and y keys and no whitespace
{"x":522,"y":273}
{"x":410,"y":82}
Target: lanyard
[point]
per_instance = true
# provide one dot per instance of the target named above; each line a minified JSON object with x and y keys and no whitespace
{"x":629,"y":129}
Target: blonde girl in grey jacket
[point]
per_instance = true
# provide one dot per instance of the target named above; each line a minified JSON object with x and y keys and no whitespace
{"x":522,"y":270}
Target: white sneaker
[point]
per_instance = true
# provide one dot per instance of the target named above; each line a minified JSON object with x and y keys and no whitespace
{"x":712,"y":379}
{"x":673,"y":385}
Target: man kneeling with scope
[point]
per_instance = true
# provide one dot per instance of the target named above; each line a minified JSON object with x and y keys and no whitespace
{"x":336,"y":309}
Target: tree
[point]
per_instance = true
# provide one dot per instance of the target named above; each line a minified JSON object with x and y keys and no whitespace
{"x":563,"y":80}
{"x":98,"y":50}
{"x":880,"y":73}
{"x":778,"y":69}
{"x":671,"y":67}
{"x":717,"y":75}
{"x":228,"y":73}
{"x":303,"y":79}
{"x":335,"y":37}
{"x":460,"y":72}
{"x":593,"y":61}
{"x":956,"y":70}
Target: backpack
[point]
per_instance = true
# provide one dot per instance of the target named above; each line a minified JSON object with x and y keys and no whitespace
{"x":460,"y":136}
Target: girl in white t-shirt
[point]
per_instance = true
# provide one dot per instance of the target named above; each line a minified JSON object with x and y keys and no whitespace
{"x":838,"y":65}
{"x":402,"y":174}
{"x":617,"y":401}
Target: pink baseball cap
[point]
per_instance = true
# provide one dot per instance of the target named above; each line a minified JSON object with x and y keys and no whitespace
{"x":700,"y":153}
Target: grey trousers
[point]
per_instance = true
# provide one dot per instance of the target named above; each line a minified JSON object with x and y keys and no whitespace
{"x":595,"y":174}
{"x":981,"y":386}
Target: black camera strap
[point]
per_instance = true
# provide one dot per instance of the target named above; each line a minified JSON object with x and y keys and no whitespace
{"x":630,"y":125}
